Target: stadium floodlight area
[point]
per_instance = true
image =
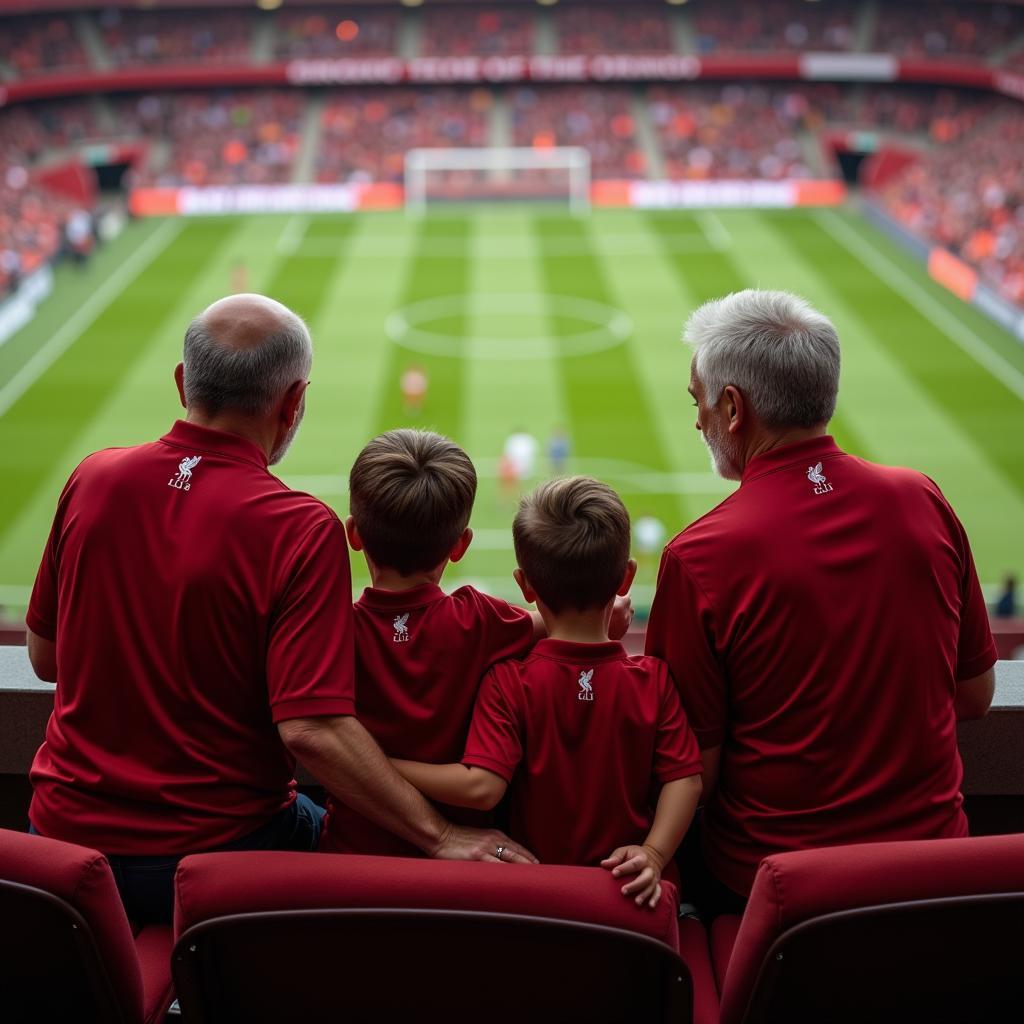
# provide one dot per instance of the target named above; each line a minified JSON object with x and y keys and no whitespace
{"x":497,"y":173}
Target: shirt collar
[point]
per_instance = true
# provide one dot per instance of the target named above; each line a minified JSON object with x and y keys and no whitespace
{"x":789,"y":455}
{"x":398,"y":600}
{"x":214,"y":442}
{"x":569,"y":650}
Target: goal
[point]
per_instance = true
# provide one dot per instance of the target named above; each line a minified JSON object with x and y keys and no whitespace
{"x":497,"y":173}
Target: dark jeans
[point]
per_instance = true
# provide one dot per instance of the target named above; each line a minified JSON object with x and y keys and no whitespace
{"x":146,"y":884}
{"x":698,"y":885}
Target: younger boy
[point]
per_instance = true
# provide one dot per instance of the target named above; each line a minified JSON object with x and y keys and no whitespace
{"x":584,"y":734}
{"x":420,"y":653}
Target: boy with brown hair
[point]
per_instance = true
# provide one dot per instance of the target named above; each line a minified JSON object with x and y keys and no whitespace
{"x":420,"y":653}
{"x":584,"y":733}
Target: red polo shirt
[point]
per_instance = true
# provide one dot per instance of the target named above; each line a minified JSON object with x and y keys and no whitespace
{"x":195,"y":602}
{"x":585,"y":735}
{"x":420,"y":655}
{"x":816,"y":623}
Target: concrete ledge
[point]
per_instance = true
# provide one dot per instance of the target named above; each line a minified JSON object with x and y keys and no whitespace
{"x":991,"y":748}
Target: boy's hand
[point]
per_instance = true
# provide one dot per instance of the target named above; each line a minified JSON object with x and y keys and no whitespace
{"x":643,"y":861}
{"x":622,"y":616}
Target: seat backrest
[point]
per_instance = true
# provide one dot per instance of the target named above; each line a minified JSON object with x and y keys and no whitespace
{"x":66,"y":949}
{"x":385,"y":938}
{"x":897,"y":931}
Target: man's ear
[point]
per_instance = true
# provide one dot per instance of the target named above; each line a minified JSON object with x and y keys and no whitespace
{"x":627,"y":579}
{"x":461,"y":545}
{"x":291,"y":402}
{"x":179,"y":379}
{"x":529,"y":594}
{"x":355,"y":542}
{"x":735,"y":407}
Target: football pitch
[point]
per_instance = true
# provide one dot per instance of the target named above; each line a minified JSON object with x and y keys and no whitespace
{"x":522,"y":318}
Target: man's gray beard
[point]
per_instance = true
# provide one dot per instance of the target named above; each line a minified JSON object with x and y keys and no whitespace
{"x":286,"y":442}
{"x":721,"y":460}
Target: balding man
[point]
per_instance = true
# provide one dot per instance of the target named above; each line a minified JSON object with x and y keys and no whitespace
{"x":824,"y":624}
{"x":196,"y":615}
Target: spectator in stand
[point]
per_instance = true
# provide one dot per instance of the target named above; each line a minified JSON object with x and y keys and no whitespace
{"x":476,"y":32}
{"x":178,"y":37}
{"x":330,"y":32}
{"x":774,"y":25}
{"x":196,"y":616}
{"x":825,"y":623}
{"x":37,"y":44}
{"x":1006,"y":604}
{"x":592,"y":29}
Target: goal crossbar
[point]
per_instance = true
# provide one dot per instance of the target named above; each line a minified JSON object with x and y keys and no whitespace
{"x":575,"y":160}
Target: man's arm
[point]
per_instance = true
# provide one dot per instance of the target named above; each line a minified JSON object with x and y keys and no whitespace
{"x":42,"y":654}
{"x":974,"y":696}
{"x":346,"y":760}
{"x":460,"y":785}
{"x":676,"y":807}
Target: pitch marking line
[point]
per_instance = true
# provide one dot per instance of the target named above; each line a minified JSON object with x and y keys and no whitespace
{"x":293,"y":235}
{"x":50,"y":351}
{"x":927,"y":305}
{"x":714,"y":230}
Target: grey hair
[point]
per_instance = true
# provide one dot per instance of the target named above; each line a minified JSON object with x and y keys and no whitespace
{"x":779,"y":351}
{"x":245,"y":379}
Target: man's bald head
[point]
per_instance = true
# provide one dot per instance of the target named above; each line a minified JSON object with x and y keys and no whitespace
{"x":243,"y":353}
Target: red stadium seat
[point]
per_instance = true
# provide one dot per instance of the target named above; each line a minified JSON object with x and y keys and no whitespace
{"x":386,"y":938}
{"x":66,"y":948}
{"x":922,"y":931}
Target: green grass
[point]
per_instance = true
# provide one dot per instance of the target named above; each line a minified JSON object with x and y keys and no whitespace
{"x":511,"y":346}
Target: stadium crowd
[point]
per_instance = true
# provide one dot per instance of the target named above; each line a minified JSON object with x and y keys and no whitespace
{"x":592,"y":29}
{"x":146,"y":37}
{"x":314,"y":33}
{"x":774,"y":25}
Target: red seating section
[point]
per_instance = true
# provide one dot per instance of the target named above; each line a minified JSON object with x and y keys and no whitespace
{"x":63,"y":920}
{"x":461,"y":929}
{"x":936,"y":955}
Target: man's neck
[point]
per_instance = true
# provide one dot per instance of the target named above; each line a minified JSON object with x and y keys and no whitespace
{"x":260,"y":434}
{"x":765,"y":441}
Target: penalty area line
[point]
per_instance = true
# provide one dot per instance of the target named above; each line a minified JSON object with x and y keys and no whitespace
{"x":76,"y":325}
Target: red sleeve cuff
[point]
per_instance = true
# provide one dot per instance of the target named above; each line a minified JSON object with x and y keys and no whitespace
{"x":971,"y":667}
{"x":683,"y":771}
{"x":45,"y":629}
{"x":491,"y":764}
{"x":312,"y":707}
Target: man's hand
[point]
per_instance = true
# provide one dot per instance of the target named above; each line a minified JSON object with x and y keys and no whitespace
{"x":622,"y":617}
{"x":643,"y":861}
{"x":462,"y":843}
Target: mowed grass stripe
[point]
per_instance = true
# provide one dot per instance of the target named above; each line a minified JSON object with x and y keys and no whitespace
{"x":713,"y":274}
{"x":980,"y":404}
{"x":49,"y":417}
{"x":608,"y":406}
{"x":439,"y":267}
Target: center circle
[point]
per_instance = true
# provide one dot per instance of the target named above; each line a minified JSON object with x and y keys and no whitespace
{"x":526,"y":321}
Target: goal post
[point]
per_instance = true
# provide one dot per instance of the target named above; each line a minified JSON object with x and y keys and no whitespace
{"x":497,"y":172}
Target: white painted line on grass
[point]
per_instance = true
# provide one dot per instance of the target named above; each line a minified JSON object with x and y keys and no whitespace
{"x":293,"y":234}
{"x":50,"y":351}
{"x":714,"y":230}
{"x":927,"y":305}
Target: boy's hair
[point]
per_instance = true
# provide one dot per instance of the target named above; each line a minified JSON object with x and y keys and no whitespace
{"x":411,"y":493}
{"x":572,"y":542}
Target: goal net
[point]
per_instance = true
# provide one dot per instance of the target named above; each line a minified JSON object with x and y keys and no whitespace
{"x":497,"y":173}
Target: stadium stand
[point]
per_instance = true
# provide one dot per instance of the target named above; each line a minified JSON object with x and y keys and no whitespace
{"x":773,"y":26}
{"x":147,"y":37}
{"x":322,"y":32}
{"x":484,"y":31}
{"x":936,"y":30}
{"x":365,"y":134}
{"x":39,"y":45}
{"x":591,"y":29}
{"x":975,"y":206}
{"x":62,"y":918}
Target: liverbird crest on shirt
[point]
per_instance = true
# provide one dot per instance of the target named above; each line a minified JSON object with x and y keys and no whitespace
{"x":586,"y":689}
{"x":401,"y":629}
{"x":183,"y":480}
{"x":818,"y":478}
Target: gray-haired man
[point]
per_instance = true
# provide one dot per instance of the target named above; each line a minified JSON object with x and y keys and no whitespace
{"x":196,"y":615}
{"x":824,"y":624}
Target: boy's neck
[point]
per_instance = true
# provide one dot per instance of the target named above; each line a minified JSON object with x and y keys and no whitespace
{"x":586,"y":627}
{"x":383,"y":578}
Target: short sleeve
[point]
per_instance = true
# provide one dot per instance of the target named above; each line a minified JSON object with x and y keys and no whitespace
{"x":680,"y":631}
{"x":495,"y":735}
{"x":41,"y":617}
{"x":311,"y":653}
{"x":676,"y":753}
{"x":976,"y":650}
{"x":505,"y":631}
